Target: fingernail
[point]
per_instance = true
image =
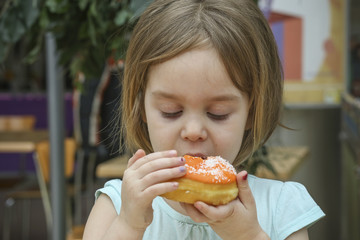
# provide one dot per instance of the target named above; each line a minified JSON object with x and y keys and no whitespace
{"x":245,"y":177}
{"x":137,"y":151}
{"x":172,"y":152}
{"x":198,"y":205}
{"x":175,"y":184}
{"x":182,"y":168}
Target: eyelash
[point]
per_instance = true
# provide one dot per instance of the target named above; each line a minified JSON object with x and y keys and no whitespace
{"x":216,"y":117}
{"x":171,"y":114}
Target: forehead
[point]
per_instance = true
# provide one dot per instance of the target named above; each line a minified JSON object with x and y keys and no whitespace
{"x":201,"y":62}
{"x":193,"y":74}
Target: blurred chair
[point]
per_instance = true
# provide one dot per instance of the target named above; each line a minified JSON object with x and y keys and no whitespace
{"x":17,"y":122}
{"x":10,"y":123}
{"x":95,"y":117}
{"x":42,"y":163}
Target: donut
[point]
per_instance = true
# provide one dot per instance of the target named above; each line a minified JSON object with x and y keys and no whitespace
{"x":211,"y":180}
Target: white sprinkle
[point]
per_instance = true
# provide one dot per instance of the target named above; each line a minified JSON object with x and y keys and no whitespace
{"x":214,"y":166}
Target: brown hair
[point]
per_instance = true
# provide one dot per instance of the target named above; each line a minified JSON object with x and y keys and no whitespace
{"x":240,"y":34}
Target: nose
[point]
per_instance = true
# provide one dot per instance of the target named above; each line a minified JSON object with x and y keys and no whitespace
{"x":194,"y":130}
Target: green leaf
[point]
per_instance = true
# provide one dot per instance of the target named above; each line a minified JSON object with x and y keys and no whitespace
{"x":12,"y":28}
{"x":83,"y":4}
{"x":52,"y":5}
{"x":4,"y":49}
{"x":44,"y":20}
{"x":83,"y":29}
{"x":138,"y":6}
{"x":93,"y":10}
{"x":75,"y":66}
{"x":30,"y":12}
{"x":34,"y":52}
{"x":121,"y":17}
{"x":92,"y":33}
{"x":58,"y":6}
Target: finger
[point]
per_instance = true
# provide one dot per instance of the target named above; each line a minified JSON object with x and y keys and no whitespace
{"x":245,"y":194}
{"x":163,"y":175}
{"x":158,"y":189}
{"x":138,"y":154}
{"x":153,"y":156}
{"x":155,"y":166}
{"x":194,"y":213}
{"x":214,"y":213}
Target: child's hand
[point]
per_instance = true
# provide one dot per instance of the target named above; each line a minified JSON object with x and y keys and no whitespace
{"x":235,"y":220}
{"x":144,"y":179}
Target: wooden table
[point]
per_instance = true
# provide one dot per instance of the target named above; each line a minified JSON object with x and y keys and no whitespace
{"x":21,"y":141}
{"x":285,"y":160}
{"x":113,"y":168}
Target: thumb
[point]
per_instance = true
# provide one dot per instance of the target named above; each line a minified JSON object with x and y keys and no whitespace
{"x":245,"y":194}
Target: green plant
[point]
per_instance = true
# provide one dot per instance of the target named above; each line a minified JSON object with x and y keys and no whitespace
{"x":86,"y":31}
{"x":259,"y":158}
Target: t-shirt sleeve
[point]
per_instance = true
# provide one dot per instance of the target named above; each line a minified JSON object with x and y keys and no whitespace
{"x":295,"y":209}
{"x":112,"y":188}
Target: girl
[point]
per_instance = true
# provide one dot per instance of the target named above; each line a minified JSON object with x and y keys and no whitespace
{"x":201,"y":78}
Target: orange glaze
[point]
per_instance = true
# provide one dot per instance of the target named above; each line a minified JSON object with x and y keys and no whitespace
{"x":212,"y":170}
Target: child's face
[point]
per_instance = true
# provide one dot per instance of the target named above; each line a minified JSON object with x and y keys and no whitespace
{"x":191,"y":105}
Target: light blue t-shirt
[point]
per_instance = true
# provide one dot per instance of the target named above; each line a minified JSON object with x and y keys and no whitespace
{"x":282,"y":208}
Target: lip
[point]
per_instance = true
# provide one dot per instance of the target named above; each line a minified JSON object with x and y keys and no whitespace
{"x":197,"y":155}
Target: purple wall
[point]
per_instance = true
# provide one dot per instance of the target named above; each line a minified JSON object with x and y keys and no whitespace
{"x":30,"y":104}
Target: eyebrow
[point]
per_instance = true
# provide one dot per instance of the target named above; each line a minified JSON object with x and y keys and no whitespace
{"x":219,"y":98}
{"x":161,"y":94}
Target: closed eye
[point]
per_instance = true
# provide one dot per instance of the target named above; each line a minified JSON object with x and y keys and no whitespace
{"x":218,"y":117}
{"x":171,"y":114}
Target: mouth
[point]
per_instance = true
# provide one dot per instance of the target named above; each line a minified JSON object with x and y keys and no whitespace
{"x":201,"y":155}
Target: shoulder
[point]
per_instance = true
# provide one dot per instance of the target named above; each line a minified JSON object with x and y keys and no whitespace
{"x":283,"y":207}
{"x":264,"y":188}
{"x":112,"y":189}
{"x":277,"y":189}
{"x":266,"y":193}
{"x":279,"y":193}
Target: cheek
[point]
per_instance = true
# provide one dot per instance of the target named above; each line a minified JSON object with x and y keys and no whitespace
{"x":160,"y":136}
{"x":230,"y":147}
{"x":229,"y":141}
{"x":154,"y":134}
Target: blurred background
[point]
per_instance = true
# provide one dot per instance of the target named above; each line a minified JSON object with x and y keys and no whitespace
{"x":319,"y":45}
